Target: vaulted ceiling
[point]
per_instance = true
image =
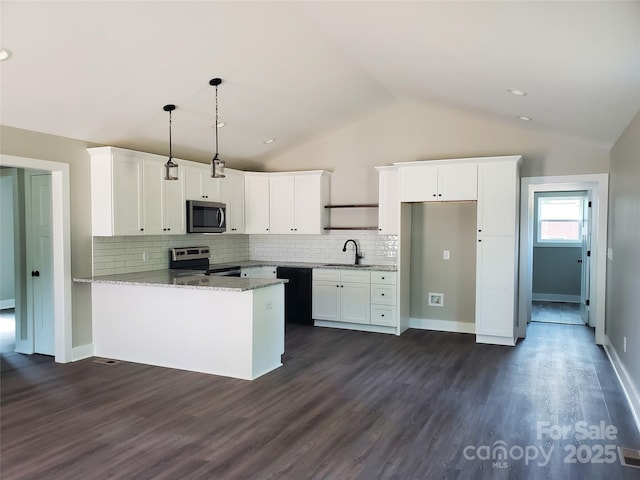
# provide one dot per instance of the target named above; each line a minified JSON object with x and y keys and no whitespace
{"x":102,"y":71}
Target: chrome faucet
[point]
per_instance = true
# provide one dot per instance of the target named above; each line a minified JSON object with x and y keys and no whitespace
{"x":358,"y":255}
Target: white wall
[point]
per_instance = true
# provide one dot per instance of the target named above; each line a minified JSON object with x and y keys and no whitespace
{"x":7,"y":258}
{"x":623,"y":272}
{"x":24,"y":143}
{"x":408,"y":130}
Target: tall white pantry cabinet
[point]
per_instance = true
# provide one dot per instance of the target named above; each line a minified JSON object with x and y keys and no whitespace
{"x":493,"y":182}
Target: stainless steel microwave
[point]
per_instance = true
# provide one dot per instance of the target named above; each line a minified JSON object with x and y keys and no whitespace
{"x":206,"y":217}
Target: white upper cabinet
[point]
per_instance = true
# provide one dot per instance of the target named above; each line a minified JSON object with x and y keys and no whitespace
{"x":232,"y":195}
{"x":498,"y":198}
{"x":198,"y":183}
{"x":117,"y":195}
{"x":438,"y":182}
{"x":281,"y":204}
{"x":129,"y":195}
{"x":256,"y":203}
{"x":388,"y":201}
{"x":164,"y":201}
{"x":296,"y":203}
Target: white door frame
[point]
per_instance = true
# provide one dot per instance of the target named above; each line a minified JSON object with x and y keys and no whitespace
{"x":598,"y":187}
{"x":60,"y":206}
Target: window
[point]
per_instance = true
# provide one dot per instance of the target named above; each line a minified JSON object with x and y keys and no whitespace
{"x":559,"y":219}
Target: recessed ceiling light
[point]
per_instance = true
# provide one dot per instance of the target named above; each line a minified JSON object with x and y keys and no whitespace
{"x":4,"y":54}
{"x":515,"y":91}
{"x":269,"y":140}
{"x":523,"y":118}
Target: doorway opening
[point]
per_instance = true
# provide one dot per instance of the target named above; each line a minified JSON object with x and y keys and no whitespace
{"x":60,"y":255}
{"x":561,"y":243}
{"x":588,"y":260}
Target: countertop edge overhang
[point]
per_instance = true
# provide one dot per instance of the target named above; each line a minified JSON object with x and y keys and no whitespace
{"x":184,"y":279}
{"x":327,"y":265}
{"x":196,"y":279}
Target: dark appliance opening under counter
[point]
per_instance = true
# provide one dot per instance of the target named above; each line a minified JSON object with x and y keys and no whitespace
{"x":297,"y":294}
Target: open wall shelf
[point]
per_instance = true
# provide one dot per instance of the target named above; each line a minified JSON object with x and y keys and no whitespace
{"x":351,"y":228}
{"x":354,"y":205}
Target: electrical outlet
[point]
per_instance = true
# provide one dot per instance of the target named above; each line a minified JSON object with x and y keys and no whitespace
{"x":624,"y":344}
{"x":446,"y":255}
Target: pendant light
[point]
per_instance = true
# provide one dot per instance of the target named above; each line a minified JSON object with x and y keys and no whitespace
{"x":217,"y":165}
{"x":171,"y":167}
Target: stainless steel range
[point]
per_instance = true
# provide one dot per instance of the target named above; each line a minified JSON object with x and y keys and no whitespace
{"x":197,"y":258}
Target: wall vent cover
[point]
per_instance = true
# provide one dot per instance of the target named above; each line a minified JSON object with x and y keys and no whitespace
{"x":629,"y":457}
{"x":106,"y":361}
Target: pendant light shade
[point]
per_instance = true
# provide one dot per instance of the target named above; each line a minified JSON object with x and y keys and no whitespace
{"x":171,"y":167}
{"x":217,"y":164}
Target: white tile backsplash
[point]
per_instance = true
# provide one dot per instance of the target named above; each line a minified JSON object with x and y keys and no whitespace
{"x":126,"y":254}
{"x":378,"y":249}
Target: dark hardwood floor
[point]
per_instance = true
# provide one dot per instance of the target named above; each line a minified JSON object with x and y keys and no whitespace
{"x":345,"y":405}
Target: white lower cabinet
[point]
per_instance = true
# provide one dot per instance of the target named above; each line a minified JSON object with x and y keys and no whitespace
{"x":496,"y":291}
{"x":354,"y":297}
{"x":259,"y":272}
{"x":269,"y":272}
{"x":251,"y":272}
{"x":341,"y":295}
{"x":383,"y":298}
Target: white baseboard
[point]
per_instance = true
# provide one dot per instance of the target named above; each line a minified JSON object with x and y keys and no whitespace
{"x":628,"y":386}
{"x":361,"y":327}
{"x":555,"y":297}
{"x":82,"y":352}
{"x":9,"y":303}
{"x":442,"y":325}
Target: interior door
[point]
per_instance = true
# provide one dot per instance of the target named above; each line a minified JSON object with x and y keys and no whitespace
{"x":41,"y":265}
{"x":585,"y":261}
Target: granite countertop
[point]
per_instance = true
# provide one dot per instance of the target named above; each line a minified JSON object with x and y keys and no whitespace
{"x":328,"y":265}
{"x":184,"y":279}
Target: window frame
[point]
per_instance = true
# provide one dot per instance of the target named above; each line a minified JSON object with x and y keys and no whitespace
{"x":539,"y":197}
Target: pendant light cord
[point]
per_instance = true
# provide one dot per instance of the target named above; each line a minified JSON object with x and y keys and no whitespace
{"x":170,"y":148}
{"x":216,"y":122}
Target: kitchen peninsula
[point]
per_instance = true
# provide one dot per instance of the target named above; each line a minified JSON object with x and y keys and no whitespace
{"x":218,"y":325}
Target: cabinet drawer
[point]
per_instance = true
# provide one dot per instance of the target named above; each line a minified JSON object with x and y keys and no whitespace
{"x":355,"y":276}
{"x":388,"y":278}
{"x":383,"y":294}
{"x":326,"y":274}
{"x":383,"y":315}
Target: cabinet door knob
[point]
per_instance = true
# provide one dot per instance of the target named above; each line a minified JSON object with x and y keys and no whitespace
{"x":480,"y":240}
{"x":382,"y":294}
{"x":383,"y":278}
{"x":382,"y":315}
{"x":142,"y":229}
{"x":479,"y":230}
{"x":439,"y":194}
{"x":434,"y":194}
{"x":35,"y":273}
